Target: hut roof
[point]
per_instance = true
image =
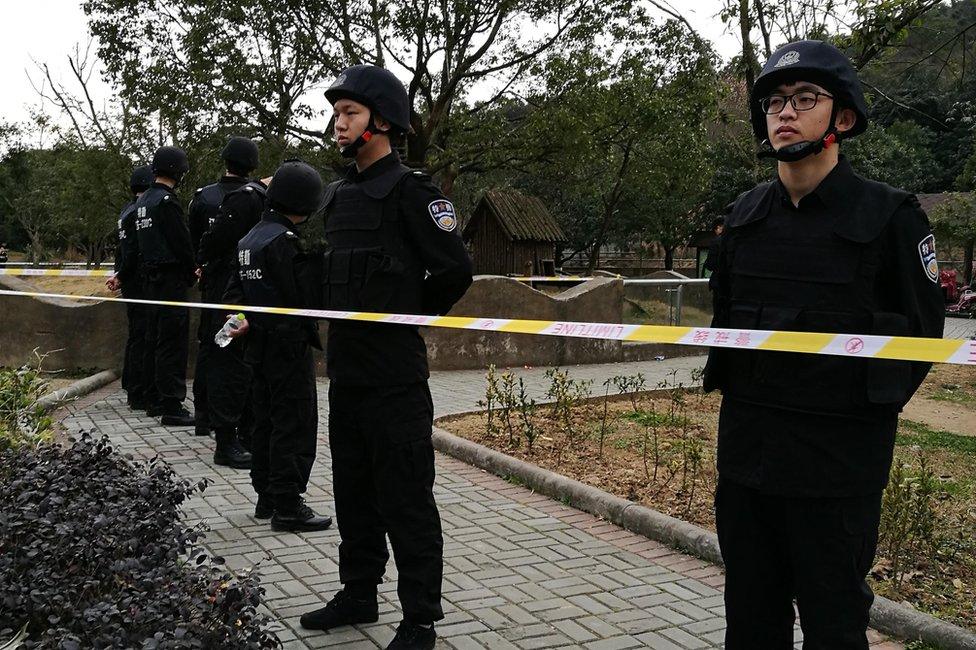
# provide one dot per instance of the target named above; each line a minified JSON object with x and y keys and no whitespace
{"x":522,"y":217}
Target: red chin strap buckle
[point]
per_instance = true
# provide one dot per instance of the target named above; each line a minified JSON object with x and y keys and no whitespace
{"x":829,"y":140}
{"x":367,"y":136}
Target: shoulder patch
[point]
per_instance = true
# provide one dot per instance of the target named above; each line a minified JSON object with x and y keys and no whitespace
{"x":442,"y":212}
{"x":926,"y":252}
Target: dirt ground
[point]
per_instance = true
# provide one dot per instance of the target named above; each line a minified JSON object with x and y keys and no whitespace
{"x":73,"y":286}
{"x":677,"y":474}
{"x":946,"y":401}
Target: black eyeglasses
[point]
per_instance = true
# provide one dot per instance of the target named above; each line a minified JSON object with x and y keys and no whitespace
{"x":801,"y":101}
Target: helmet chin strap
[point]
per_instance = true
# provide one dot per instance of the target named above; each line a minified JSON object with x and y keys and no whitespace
{"x":801,"y":150}
{"x":351,"y":149}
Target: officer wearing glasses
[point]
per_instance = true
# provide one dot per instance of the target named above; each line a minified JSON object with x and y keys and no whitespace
{"x":805,"y":442}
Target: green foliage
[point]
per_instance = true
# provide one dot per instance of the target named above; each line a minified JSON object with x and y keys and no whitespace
{"x":65,"y":197}
{"x":908,"y":531}
{"x":899,"y":154}
{"x":919,"y":435}
{"x":22,"y":420}
{"x":566,"y":394}
{"x":955,"y":218}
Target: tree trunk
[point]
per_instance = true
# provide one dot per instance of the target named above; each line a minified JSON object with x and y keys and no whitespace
{"x":601,"y":235}
{"x":669,"y":258}
{"x":748,"y":56}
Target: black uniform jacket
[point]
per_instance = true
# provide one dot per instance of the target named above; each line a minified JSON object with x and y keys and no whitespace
{"x":393,"y":246}
{"x":855,"y":257}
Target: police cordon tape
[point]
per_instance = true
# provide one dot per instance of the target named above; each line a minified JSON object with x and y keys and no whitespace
{"x":105,"y":273}
{"x":903,"y":348}
{"x":74,"y":273}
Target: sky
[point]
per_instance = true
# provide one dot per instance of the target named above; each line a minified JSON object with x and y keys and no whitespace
{"x":49,"y":30}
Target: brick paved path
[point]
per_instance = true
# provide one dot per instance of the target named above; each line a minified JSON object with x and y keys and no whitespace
{"x":521,"y":570}
{"x":959,"y":328}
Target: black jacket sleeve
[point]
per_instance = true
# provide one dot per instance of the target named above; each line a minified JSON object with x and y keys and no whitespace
{"x":914,"y":290}
{"x":438,"y":242}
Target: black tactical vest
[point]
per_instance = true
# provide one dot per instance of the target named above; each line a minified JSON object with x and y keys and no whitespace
{"x":209,"y":199}
{"x":366,"y":266}
{"x":253,"y":267}
{"x":822,"y":278}
{"x":154,"y":250}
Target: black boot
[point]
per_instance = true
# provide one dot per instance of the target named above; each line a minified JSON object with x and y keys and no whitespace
{"x":343,"y":609}
{"x":228,"y":452}
{"x":200,"y":426}
{"x":292,"y":515}
{"x":176,"y":416}
{"x":410,"y":636}
{"x":264,"y":508}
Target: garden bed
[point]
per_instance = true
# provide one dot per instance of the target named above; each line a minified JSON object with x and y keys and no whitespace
{"x":655,"y":445}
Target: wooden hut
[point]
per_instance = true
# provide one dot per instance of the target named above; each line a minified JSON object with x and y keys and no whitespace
{"x":511,"y":233}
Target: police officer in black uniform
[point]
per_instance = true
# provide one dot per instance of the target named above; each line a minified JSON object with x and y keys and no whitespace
{"x":393,"y":246}
{"x":231,"y":412}
{"x":168,"y":269}
{"x":271,"y":272}
{"x":805,"y":442}
{"x":240,"y":155}
{"x":128,"y":280}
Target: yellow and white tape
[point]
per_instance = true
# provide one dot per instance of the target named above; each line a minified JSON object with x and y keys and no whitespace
{"x":904,"y":348}
{"x":74,"y":273}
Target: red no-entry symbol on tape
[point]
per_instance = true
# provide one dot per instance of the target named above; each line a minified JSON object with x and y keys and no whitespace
{"x":854,"y":345}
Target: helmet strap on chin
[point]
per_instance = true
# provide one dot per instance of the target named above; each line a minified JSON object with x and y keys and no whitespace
{"x":801,"y":150}
{"x":351,"y":149}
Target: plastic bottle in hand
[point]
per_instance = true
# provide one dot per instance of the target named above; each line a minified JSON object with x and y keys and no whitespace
{"x":223,"y":337}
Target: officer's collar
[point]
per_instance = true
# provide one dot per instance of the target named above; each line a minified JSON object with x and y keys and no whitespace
{"x":379,"y":179}
{"x":163,"y":186}
{"x":226,"y":178}
{"x":861,"y":209}
{"x":276,"y":217}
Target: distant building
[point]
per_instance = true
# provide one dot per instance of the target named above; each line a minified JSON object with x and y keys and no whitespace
{"x":511,"y":233}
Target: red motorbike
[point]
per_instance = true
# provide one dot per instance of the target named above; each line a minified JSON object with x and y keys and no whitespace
{"x":965,"y":307}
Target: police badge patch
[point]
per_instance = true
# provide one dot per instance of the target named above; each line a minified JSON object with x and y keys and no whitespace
{"x":926,"y":252}
{"x":442,"y":212}
{"x":790,"y":58}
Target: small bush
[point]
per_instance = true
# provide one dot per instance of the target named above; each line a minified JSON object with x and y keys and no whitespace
{"x":22,"y":421}
{"x":93,"y":554}
{"x":909,"y":531}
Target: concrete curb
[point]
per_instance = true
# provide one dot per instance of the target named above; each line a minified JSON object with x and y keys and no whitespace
{"x":80,"y":388}
{"x":886,"y":616}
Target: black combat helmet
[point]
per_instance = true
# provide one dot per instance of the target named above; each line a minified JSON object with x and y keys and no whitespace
{"x":241,"y":155}
{"x":141,"y":179}
{"x":296,"y":189}
{"x":170,"y":162}
{"x":815,"y":62}
{"x":379,"y":90}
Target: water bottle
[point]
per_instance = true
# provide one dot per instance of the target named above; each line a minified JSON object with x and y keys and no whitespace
{"x":223,"y":337}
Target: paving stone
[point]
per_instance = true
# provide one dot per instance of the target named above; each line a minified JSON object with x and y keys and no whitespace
{"x":521,"y":571}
